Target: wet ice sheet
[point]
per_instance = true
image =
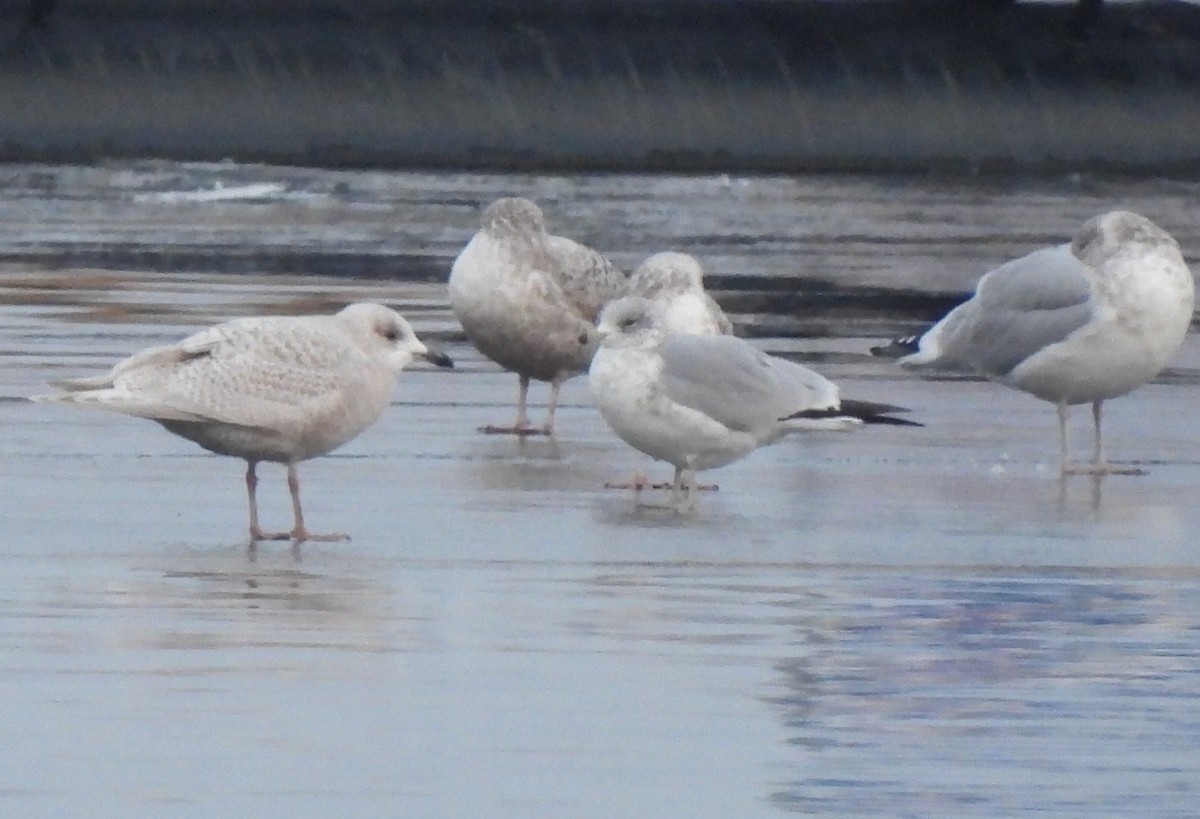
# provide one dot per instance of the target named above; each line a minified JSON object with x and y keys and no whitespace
{"x":894,"y":622}
{"x":977,"y":486}
{"x":189,"y":680}
{"x":887,"y":623}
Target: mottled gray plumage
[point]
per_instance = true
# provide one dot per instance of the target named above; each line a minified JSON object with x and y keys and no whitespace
{"x":676,"y":282}
{"x":529,"y":300}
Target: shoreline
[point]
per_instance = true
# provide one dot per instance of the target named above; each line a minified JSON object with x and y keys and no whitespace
{"x":927,"y":86}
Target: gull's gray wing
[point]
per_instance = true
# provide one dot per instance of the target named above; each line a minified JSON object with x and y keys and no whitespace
{"x":737,"y":384}
{"x":1018,"y":309}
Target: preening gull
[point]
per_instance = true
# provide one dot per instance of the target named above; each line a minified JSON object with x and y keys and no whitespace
{"x":529,"y":300}
{"x":676,"y":281}
{"x":1077,"y":323}
{"x":281,"y":389}
{"x":699,"y":402}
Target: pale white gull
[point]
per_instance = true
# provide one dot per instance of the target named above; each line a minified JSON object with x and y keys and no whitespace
{"x":529,"y":300}
{"x":699,"y":402}
{"x":1073,"y":324}
{"x":676,"y":282}
{"x":280,"y":389}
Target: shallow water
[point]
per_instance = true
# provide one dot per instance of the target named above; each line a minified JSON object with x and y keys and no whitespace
{"x":897,"y":622}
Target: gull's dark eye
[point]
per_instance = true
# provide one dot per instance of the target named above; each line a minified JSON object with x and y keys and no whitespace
{"x":391,"y":333}
{"x":628,"y":322}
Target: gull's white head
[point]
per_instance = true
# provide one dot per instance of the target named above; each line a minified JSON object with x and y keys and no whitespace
{"x":383,"y":333}
{"x":1118,"y":231}
{"x":668,"y":272}
{"x":631,"y":321}
{"x":513,"y":216}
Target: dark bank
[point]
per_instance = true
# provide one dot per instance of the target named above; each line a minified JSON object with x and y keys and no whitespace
{"x":660,"y":85}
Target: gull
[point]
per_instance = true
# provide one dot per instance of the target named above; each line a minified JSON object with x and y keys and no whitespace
{"x":699,"y":402}
{"x":279,"y":389}
{"x":528,"y":300}
{"x":676,"y":281}
{"x":1077,"y":323}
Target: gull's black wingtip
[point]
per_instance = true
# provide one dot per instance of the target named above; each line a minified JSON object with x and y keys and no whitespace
{"x":897,"y":347}
{"x":870,"y":412}
{"x":892,"y":420}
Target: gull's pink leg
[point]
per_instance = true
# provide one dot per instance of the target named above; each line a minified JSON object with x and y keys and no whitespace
{"x":642,"y":481}
{"x":300,"y":533}
{"x":1064,"y":460}
{"x":1098,"y":466}
{"x":683,"y":489}
{"x":522,"y":403}
{"x":251,"y":489}
{"x":555,"y":386}
{"x":688,"y":484}
{"x":522,"y":426}
{"x":256,"y":532}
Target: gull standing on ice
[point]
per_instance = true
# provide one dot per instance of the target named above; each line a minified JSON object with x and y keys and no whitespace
{"x":529,"y":300}
{"x":1073,"y":324}
{"x":281,"y":389}
{"x":699,"y":402}
{"x":676,"y":281}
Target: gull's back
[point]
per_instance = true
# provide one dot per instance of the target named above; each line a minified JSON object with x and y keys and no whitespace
{"x":1017,"y":310}
{"x":740,"y":386}
{"x":587,"y":278}
{"x":1075,"y":323}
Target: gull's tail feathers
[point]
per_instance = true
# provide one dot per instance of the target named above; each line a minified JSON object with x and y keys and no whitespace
{"x":96,"y":382}
{"x":116,"y":400}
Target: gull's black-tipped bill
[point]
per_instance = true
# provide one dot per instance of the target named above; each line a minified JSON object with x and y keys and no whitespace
{"x":438,"y":358}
